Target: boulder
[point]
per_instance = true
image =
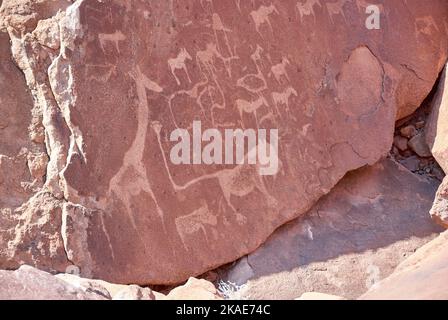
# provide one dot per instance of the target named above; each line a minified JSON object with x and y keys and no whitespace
{"x":28,"y":283}
{"x":419,"y":146}
{"x":194,"y":289}
{"x":436,"y":129}
{"x":318,"y":296}
{"x":439,"y":210}
{"x":351,"y":239}
{"x":111,"y":290}
{"x":109,"y":94}
{"x":423,"y":276}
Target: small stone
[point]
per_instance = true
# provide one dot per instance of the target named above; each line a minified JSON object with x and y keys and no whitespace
{"x":408,"y":131}
{"x":395,"y":151}
{"x":438,"y":173}
{"x":401,"y":143}
{"x":411,"y":163}
{"x":195,"y":289}
{"x":419,"y":146}
{"x":420,"y":124}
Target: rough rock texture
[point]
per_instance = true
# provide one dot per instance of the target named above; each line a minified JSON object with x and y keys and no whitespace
{"x":32,"y":284}
{"x":436,"y":130}
{"x":111,"y":290}
{"x":439,"y":210}
{"x":423,"y":276}
{"x":30,"y":216}
{"x":437,"y":138}
{"x":28,"y":283}
{"x":195,"y":289}
{"x":108,"y":91}
{"x":318,"y":296}
{"x":352,"y":238}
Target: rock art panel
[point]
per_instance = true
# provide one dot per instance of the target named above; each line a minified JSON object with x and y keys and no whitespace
{"x":112,"y":80}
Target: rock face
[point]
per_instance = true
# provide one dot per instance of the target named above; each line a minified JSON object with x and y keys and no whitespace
{"x":437,"y":127}
{"x":437,"y":139}
{"x":439,"y":210}
{"x":423,"y":276}
{"x":108,"y":93}
{"x":30,"y":217}
{"x":194,"y":289}
{"x":351,"y":239}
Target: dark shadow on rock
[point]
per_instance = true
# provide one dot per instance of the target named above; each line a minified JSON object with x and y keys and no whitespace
{"x":371,"y":208}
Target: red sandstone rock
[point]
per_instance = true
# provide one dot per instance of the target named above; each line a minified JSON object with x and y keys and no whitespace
{"x":109,"y":91}
{"x":419,"y":145}
{"x":436,"y":130}
{"x":195,"y":289}
{"x":401,"y":143}
{"x":439,"y":210}
{"x":28,"y":283}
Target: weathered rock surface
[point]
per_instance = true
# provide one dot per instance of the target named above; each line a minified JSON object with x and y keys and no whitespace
{"x":436,"y":130}
{"x":195,"y":289}
{"x":28,"y":283}
{"x":109,"y":92}
{"x":318,"y":296}
{"x":111,"y":290}
{"x":352,"y":238}
{"x":31,"y":234}
{"x":439,"y":210}
{"x":423,"y":276}
{"x":437,"y":138}
{"x":419,"y":146}
{"x":32,"y":284}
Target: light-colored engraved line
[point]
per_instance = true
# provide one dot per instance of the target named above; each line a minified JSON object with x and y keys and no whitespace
{"x":282,"y":98}
{"x":194,"y":222}
{"x":336,"y":8}
{"x":279,"y":70}
{"x":121,"y":185}
{"x":111,"y":37}
{"x":307,"y":8}
{"x":179,"y":63}
{"x":261,"y":16}
{"x":239,"y":181}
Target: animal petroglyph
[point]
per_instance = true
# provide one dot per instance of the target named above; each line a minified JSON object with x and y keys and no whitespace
{"x":179,"y":63}
{"x":336,"y":8}
{"x":261,"y":16}
{"x":218,"y":25}
{"x":132,"y":174}
{"x":282,"y":98}
{"x":307,"y":8}
{"x":194,"y":222}
{"x":115,"y":38}
{"x":205,"y":59}
{"x":238,"y":181}
{"x":279,"y":70}
{"x":250,"y":106}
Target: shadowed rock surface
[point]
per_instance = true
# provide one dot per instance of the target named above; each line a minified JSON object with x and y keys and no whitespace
{"x":353,"y":237}
{"x":423,"y":276}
